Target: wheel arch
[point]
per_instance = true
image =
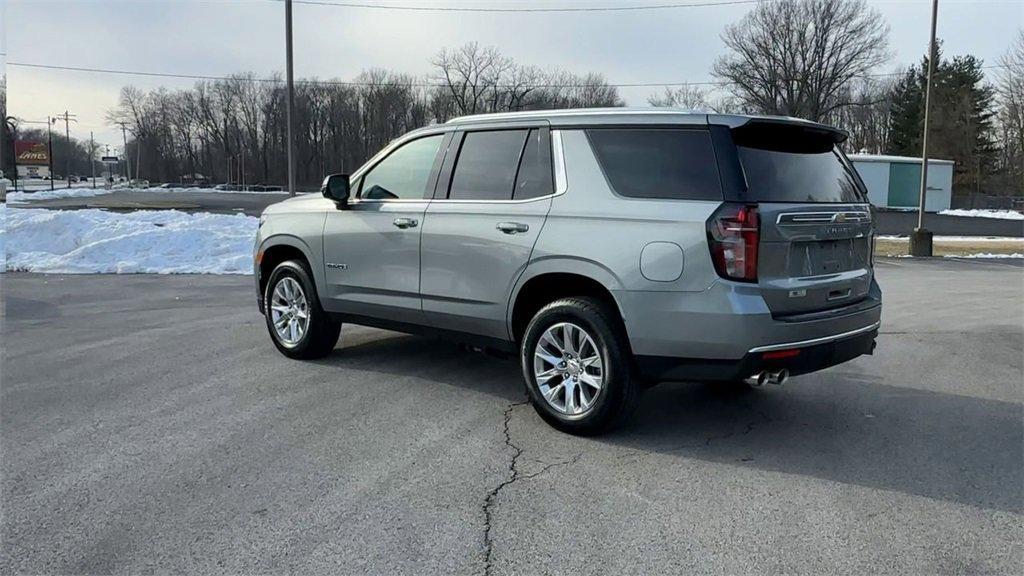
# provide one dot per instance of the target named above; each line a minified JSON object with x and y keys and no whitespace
{"x":548,"y":280}
{"x":281,"y":248}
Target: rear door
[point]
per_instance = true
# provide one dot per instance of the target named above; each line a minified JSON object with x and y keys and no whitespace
{"x":815,"y":222}
{"x":489,"y":206}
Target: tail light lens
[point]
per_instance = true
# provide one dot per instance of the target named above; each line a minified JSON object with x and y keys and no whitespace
{"x":733,"y":234}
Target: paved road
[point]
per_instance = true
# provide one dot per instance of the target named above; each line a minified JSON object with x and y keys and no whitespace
{"x":148,"y":425}
{"x":889,"y":223}
{"x":122,"y":200}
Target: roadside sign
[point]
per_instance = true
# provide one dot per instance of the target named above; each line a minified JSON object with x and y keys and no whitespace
{"x":110,"y":159}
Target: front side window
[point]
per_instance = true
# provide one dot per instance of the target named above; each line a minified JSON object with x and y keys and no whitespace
{"x":486,"y":166}
{"x":660,"y":163}
{"x":405,"y":173}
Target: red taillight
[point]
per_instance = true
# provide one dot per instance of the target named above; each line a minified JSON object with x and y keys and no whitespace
{"x":733,"y":234}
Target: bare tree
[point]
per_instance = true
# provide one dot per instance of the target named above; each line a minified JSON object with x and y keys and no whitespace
{"x":1010,"y":118}
{"x":691,"y":97}
{"x":794,"y":58}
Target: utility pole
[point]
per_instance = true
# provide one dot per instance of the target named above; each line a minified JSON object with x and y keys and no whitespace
{"x":127,"y":159}
{"x":92,"y":158}
{"x":49,"y":146}
{"x":291,"y":95}
{"x":921,"y":238}
{"x":68,"y":119}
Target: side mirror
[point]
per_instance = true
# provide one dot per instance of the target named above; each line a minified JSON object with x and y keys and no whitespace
{"x":336,"y":187}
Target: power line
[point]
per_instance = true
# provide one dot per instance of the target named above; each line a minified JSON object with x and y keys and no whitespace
{"x":415,"y":84}
{"x":325,"y":82}
{"x":672,"y":6}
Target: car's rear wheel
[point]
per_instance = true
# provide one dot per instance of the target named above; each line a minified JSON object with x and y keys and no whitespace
{"x":577,"y":367}
{"x":299,"y":327}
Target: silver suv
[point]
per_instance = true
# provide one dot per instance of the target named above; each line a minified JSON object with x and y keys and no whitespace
{"x":609,"y":249}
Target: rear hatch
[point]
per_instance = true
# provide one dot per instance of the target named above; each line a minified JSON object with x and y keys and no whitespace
{"x":814,"y":250}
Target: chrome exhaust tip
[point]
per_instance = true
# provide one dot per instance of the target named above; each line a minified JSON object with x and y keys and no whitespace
{"x":778,"y":378}
{"x":756,"y":380}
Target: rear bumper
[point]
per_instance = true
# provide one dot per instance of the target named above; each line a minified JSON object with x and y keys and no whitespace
{"x":723,"y":333}
{"x":810,"y":357}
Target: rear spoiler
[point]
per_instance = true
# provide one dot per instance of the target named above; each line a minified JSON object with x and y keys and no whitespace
{"x":751,"y":123}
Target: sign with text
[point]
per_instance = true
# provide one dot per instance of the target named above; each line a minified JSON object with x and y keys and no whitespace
{"x":31,"y":153}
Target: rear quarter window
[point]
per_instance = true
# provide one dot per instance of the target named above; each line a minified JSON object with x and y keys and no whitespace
{"x":659,"y":163}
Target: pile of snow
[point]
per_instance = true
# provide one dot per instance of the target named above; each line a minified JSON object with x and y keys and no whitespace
{"x":152,"y":241}
{"x":978,"y":213}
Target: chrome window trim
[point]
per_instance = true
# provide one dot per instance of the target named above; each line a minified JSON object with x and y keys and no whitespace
{"x":815,"y":341}
{"x":561,"y":185}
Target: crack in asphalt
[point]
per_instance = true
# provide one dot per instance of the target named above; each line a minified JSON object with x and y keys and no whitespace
{"x":513,"y":476}
{"x":489,"y":500}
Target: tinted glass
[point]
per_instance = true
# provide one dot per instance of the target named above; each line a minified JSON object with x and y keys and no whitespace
{"x":404,"y":173}
{"x":790,"y":164}
{"x":534,"y":178}
{"x":486,"y":167}
{"x":658,"y":163}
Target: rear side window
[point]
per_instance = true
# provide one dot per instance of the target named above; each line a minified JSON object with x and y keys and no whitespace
{"x":670,"y":164}
{"x":487,"y":164}
{"x":534,"y":178}
{"x":793,"y":164}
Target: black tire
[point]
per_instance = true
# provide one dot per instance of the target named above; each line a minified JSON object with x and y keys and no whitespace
{"x":620,"y":391}
{"x":322,"y":332}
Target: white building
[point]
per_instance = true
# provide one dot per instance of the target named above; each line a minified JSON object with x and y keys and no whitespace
{"x":895,"y":181}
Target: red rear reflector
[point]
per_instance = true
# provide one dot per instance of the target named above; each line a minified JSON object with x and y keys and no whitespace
{"x":780,"y":354}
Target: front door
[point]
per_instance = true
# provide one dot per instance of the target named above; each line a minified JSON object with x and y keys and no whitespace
{"x":480,"y":229}
{"x":372,"y":246}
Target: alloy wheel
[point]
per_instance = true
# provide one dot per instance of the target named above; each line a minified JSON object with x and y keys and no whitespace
{"x":289,"y":311}
{"x":568,"y":368}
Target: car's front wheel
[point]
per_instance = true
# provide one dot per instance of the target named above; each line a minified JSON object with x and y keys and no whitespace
{"x":577,"y":367}
{"x":298,"y":325}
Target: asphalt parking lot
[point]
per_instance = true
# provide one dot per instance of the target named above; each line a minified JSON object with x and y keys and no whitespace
{"x":149,"y":425}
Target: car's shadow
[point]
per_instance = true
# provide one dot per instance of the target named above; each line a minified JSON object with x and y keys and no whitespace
{"x":844,"y":424}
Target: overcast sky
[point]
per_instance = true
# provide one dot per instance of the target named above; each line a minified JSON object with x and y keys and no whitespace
{"x":217,"y":38}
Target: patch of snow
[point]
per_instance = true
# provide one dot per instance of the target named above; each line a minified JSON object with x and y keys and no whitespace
{"x":978,"y":213}
{"x":984,"y":255}
{"x":957,"y":238}
{"x":150,"y":241}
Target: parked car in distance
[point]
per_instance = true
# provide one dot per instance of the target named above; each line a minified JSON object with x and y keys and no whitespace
{"x":609,"y":249}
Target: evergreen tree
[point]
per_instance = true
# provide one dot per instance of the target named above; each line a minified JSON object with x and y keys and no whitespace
{"x":961,"y":122}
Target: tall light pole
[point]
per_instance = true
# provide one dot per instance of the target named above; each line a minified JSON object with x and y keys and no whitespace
{"x":921,"y":238}
{"x":291,"y":94}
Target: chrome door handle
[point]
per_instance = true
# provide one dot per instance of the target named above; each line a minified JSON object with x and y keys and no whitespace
{"x":404,"y":223}
{"x":512,"y":227}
